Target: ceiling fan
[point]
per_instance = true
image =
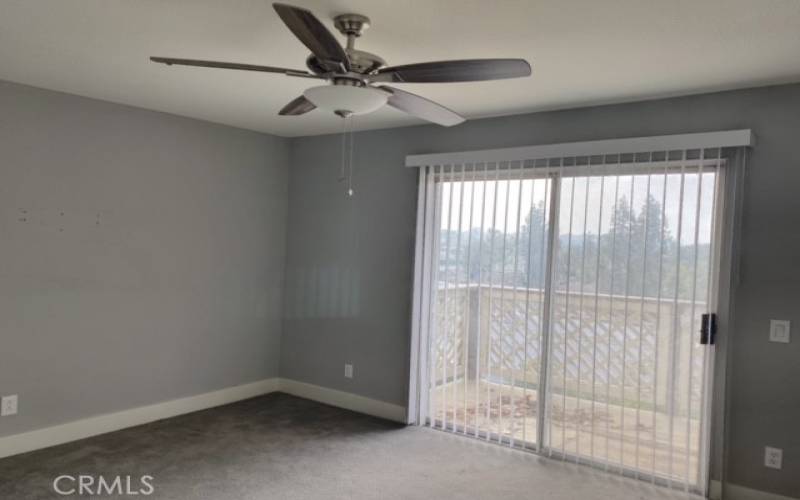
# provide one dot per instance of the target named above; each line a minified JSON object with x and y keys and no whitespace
{"x":356,"y":78}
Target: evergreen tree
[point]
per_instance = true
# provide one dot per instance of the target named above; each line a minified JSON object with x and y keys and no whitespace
{"x":624,"y":259}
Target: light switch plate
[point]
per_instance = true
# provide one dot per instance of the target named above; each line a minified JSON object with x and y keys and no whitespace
{"x":8,"y":406}
{"x":779,"y":330}
{"x":773,"y":457}
{"x":348,"y":370}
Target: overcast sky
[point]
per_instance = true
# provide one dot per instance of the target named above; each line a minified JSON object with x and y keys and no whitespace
{"x":507,"y":202}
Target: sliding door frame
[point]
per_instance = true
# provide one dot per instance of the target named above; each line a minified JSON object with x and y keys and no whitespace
{"x":722,"y":276}
{"x":547,"y":309}
{"x":429,"y":192}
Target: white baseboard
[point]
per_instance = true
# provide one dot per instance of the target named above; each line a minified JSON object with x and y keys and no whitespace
{"x":101,"y":424}
{"x":736,"y":492}
{"x":344,"y":400}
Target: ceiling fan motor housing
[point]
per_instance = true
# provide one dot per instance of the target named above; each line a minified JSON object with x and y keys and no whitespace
{"x":361,"y":62}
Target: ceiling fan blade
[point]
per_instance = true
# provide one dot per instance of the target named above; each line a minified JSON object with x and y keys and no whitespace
{"x":298,"y":106}
{"x":227,"y":65}
{"x":465,"y":70}
{"x":314,"y":35}
{"x":421,"y":107}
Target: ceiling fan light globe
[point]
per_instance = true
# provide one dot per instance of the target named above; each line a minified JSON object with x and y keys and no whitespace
{"x":346,"y":98}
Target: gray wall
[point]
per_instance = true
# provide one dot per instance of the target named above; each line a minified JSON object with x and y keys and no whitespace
{"x":141,"y":256}
{"x":349,"y":261}
{"x":163,"y":277}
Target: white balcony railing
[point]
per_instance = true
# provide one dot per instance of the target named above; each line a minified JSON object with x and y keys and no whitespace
{"x":609,"y":365}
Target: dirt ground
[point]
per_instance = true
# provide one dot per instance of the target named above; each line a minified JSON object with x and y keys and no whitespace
{"x":616,"y":437}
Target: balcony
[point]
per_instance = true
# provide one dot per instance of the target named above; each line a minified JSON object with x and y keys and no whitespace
{"x":611,"y":401}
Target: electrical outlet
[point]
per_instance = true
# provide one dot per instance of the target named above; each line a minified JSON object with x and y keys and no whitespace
{"x":8,"y":406}
{"x":773,"y":457}
{"x":348,"y":370}
{"x":779,"y":330}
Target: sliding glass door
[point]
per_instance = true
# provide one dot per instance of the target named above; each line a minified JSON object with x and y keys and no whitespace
{"x":488,"y":314}
{"x":564,"y":309}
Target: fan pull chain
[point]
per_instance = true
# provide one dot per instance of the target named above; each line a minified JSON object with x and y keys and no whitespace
{"x":345,"y":123}
{"x":348,"y":144}
{"x":350,"y":173}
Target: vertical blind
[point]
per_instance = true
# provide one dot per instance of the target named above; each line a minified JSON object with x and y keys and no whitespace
{"x":558,"y":303}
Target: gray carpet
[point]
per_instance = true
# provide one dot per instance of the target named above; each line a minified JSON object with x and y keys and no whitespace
{"x":282,"y":447}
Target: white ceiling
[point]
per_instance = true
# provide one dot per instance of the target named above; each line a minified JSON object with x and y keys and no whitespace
{"x":583,"y":52}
